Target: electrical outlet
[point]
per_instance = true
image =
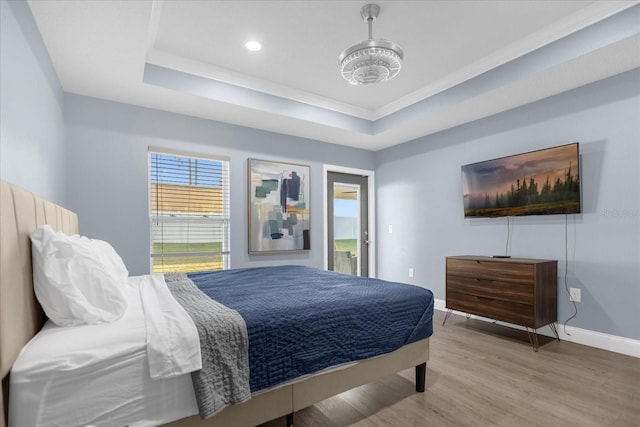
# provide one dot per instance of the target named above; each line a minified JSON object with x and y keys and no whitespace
{"x":575,"y":294}
{"x":411,"y":272}
{"x":390,"y":228}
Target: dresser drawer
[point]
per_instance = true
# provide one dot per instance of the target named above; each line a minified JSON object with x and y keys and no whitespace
{"x":508,"y":291}
{"x":488,"y":269}
{"x":506,"y":311}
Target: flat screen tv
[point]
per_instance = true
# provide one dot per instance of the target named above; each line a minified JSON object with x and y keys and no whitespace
{"x":542,"y":182}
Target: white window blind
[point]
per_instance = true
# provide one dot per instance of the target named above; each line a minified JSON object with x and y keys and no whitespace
{"x":189,"y":210}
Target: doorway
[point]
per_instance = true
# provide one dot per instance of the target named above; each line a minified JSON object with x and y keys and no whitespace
{"x":348,"y":236}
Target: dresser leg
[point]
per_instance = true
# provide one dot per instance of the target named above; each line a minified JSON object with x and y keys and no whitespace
{"x":554,"y":329}
{"x":533,"y":338}
{"x":446,"y":316}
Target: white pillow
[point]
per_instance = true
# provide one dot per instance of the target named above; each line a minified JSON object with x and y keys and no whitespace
{"x":77,"y":280}
{"x":111,"y":258}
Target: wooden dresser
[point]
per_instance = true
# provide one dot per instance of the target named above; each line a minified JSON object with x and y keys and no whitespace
{"x":515,"y":290}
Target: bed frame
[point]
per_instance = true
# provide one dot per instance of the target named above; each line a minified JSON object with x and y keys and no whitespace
{"x":21,"y":317}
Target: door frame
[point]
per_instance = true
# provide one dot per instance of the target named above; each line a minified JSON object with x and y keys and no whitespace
{"x":371,"y":208}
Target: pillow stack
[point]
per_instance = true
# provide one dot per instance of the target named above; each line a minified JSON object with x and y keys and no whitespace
{"x":77,"y":280}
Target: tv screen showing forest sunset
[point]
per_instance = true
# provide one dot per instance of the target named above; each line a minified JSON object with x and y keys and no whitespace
{"x":540,"y":182}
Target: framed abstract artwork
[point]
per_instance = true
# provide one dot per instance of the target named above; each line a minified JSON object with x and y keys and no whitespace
{"x":279,"y":214}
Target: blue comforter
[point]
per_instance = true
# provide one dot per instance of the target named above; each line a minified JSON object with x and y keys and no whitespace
{"x":301,"y":320}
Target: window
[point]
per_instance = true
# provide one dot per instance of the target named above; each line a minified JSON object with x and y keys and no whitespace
{"x":189,"y":212}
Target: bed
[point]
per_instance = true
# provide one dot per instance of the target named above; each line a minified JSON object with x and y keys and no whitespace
{"x":21,"y":317}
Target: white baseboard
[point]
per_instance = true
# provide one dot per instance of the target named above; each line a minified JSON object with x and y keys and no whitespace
{"x":614,"y":343}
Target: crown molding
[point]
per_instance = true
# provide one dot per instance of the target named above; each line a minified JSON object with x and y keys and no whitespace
{"x":576,"y":22}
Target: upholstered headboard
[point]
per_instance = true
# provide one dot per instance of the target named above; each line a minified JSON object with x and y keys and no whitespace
{"x":20,"y":314}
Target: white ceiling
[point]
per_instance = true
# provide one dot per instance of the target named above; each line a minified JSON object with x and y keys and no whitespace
{"x":464,"y":60}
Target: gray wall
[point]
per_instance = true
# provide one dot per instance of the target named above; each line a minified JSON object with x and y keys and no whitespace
{"x":107,"y":173}
{"x":419,"y":192}
{"x":32,"y":136}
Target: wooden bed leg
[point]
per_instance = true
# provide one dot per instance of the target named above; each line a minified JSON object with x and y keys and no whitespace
{"x":421,"y":377}
{"x":290,"y":420}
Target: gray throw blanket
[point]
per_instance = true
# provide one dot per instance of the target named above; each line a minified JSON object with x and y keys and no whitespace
{"x":224,"y":377}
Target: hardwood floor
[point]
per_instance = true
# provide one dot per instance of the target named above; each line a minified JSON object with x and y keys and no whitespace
{"x":483,"y":374}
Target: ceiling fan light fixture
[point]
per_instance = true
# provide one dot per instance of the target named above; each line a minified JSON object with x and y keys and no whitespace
{"x":372,"y":60}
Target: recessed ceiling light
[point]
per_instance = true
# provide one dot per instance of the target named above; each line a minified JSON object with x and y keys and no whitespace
{"x":253,"y":45}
